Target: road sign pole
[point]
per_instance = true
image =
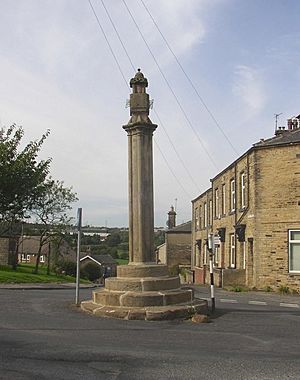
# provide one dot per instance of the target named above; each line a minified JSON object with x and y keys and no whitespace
{"x":79,"y":219}
{"x":211,"y":248}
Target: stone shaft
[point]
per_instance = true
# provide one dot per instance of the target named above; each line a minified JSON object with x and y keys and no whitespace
{"x":141,"y":219}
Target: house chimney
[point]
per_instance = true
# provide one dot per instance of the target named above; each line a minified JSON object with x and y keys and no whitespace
{"x":293,"y":123}
{"x":171,"y":223}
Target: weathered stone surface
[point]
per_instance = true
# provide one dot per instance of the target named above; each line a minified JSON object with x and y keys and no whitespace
{"x":141,"y":271}
{"x":104,"y":297}
{"x":142,"y":284}
{"x":152,"y":313}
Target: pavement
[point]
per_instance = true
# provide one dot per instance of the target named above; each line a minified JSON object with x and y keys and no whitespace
{"x":45,"y":286}
{"x":258,"y":299}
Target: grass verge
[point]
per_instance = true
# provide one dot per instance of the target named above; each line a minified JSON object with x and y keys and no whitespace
{"x":23,"y":274}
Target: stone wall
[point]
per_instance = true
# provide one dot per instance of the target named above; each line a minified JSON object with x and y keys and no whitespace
{"x":272,"y":208}
{"x":4,"y":251}
{"x":278,"y":210}
{"x":178,"y":249}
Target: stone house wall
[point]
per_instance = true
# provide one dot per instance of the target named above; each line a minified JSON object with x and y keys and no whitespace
{"x":271,"y":207}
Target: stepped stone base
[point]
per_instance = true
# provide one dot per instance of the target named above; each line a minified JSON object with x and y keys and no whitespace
{"x":144,"y":292}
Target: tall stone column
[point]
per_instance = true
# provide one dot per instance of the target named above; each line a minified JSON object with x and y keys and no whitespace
{"x":140,"y":174}
{"x":142,"y":289}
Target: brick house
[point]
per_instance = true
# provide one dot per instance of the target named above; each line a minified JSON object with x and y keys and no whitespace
{"x":254,"y":206}
{"x":106,"y":262}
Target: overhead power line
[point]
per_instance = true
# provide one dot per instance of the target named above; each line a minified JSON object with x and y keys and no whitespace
{"x":190,"y":81}
{"x":170,"y":88}
{"x":123,"y":76}
{"x":159,"y":120}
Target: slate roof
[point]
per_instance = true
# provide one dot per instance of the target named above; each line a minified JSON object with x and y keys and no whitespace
{"x":283,"y":137}
{"x":184,"y":227}
{"x":102,"y":259}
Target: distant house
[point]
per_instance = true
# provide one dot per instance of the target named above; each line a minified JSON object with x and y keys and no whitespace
{"x":107,"y":263}
{"x":29,"y":246}
{"x":28,"y":249}
{"x":176,"y":250}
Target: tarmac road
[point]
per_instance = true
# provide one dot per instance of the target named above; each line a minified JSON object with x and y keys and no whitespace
{"x":44,"y":336}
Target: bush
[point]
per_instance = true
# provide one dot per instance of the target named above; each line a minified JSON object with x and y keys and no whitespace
{"x":91,"y":271}
{"x":284,"y":289}
{"x":123,"y":255}
{"x":66,"y":266}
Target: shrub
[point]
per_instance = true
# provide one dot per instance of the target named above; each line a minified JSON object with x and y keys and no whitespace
{"x":66,"y":266}
{"x":91,"y":271}
{"x":284,"y":289}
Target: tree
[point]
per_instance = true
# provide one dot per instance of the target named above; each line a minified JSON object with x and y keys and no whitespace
{"x":50,"y":212}
{"x":22,"y":178}
{"x":22,"y":175}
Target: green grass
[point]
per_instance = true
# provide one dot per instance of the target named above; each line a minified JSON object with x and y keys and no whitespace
{"x":24,"y":274}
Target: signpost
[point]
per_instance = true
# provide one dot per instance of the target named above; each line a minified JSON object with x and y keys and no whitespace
{"x":79,"y":221}
{"x":212,"y":242}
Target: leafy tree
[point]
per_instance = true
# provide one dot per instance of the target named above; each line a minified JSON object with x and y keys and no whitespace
{"x":50,"y":212}
{"x":22,"y":175}
{"x":22,"y":178}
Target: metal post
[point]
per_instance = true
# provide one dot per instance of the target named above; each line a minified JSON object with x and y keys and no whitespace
{"x":211,"y":248}
{"x":79,"y":218}
{"x":212,"y":289}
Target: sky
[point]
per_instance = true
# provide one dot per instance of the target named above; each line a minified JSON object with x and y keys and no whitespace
{"x":218,"y":72}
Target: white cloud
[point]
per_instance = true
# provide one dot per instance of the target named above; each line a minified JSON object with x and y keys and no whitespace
{"x":249,"y":88}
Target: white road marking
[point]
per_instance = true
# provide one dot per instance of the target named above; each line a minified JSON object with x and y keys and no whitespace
{"x":289,"y":304}
{"x":225,"y":300}
{"x":257,"y":303}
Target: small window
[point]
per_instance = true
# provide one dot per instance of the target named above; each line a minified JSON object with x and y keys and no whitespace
{"x":42,"y":259}
{"x":205,"y":215}
{"x":196,"y":219}
{"x":243,"y":191}
{"x":205,"y":256}
{"x":224,"y":199}
{"x":232,"y":195}
{"x":200,"y":217}
{"x":294,"y":251}
{"x":210,"y":210}
{"x":217,"y":208}
{"x":232,"y":251}
{"x":217,"y":255}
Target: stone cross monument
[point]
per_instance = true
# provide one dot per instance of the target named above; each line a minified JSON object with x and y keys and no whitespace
{"x":140,"y":172}
{"x":142,"y":289}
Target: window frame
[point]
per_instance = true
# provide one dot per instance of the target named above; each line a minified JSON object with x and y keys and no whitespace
{"x":224,"y":199}
{"x":196,"y":219}
{"x":217,"y":205}
{"x":243,"y":190}
{"x":290,"y":243}
{"x":205,"y":214}
{"x":210,"y":212}
{"x":232,"y":255}
{"x":232,"y":195}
